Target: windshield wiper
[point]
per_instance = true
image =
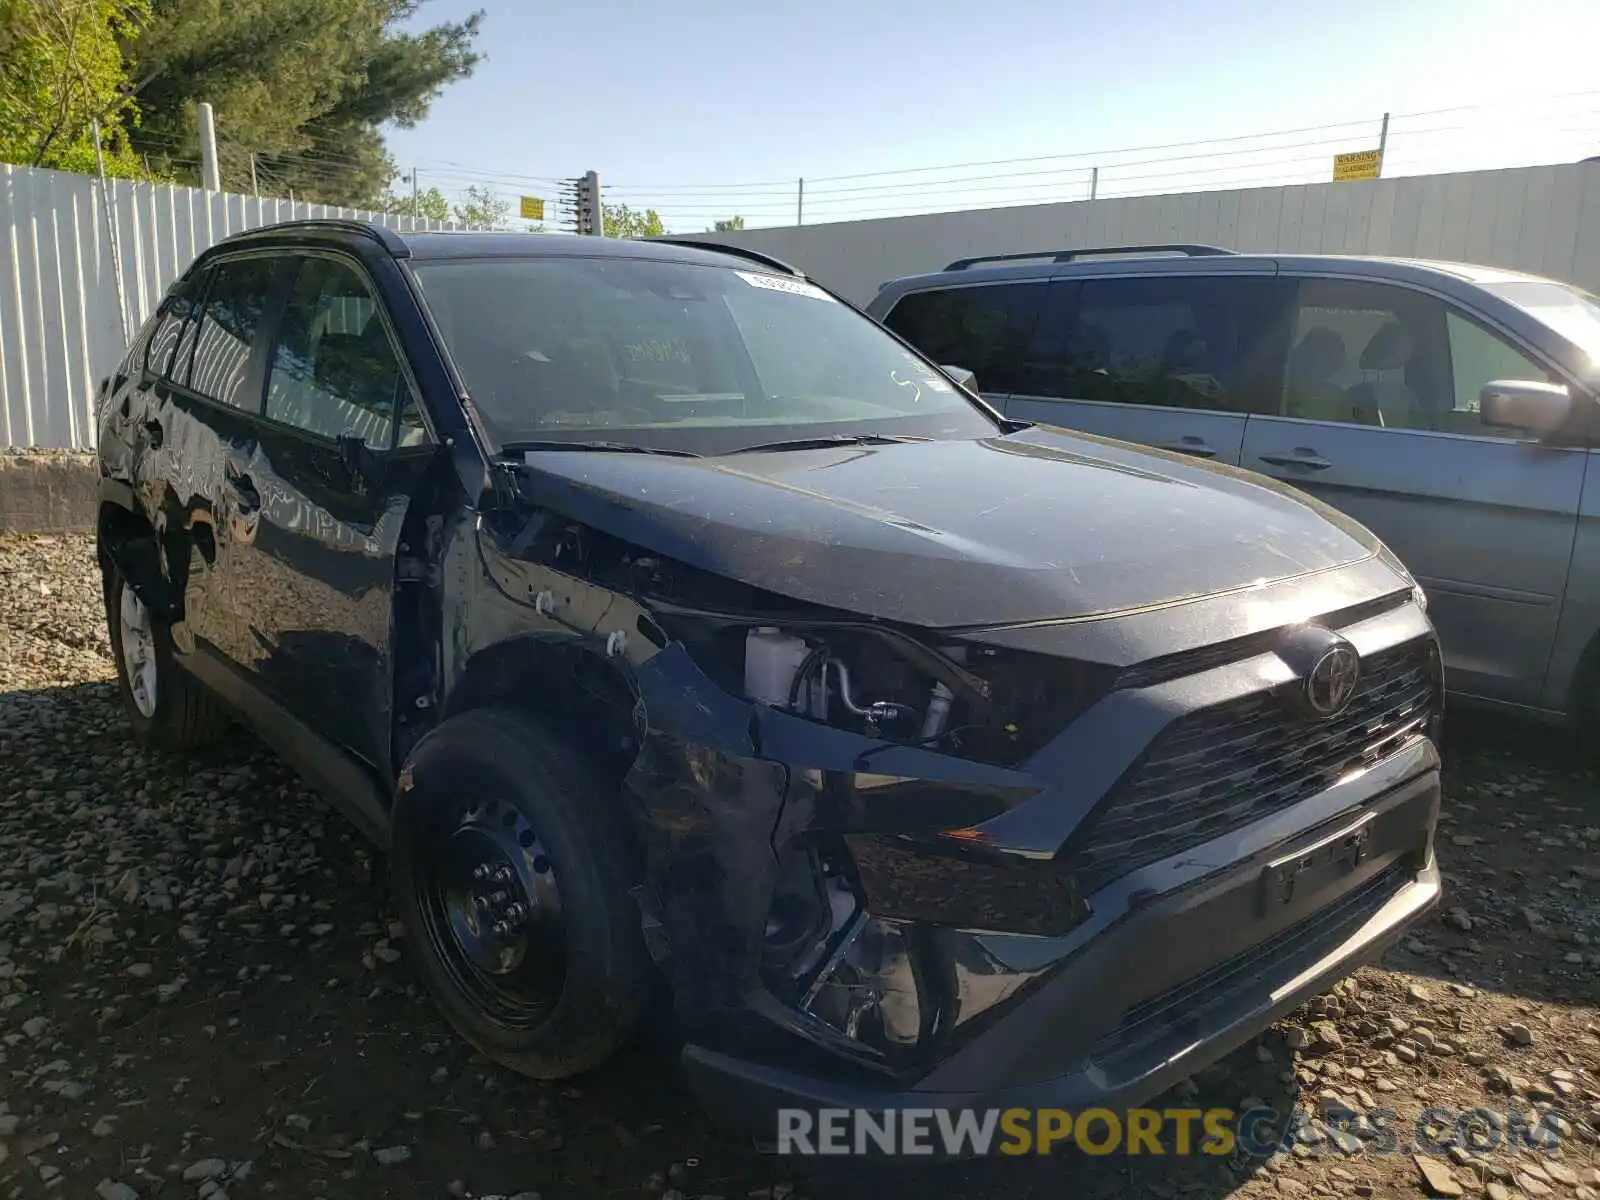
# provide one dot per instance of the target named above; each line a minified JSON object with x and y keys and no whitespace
{"x":824,"y":441}
{"x":513,"y":448}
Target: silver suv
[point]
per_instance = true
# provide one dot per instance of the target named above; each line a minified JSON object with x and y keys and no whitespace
{"x":1449,"y":408}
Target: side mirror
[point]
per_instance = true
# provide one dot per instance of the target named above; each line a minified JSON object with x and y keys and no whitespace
{"x":962,"y":377}
{"x":1525,"y":404}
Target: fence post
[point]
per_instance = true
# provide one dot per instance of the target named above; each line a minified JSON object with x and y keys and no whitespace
{"x":111,"y":232}
{"x":209,"y":178}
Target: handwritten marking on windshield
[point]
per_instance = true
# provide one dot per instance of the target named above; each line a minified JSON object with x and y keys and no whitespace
{"x":894,"y":377}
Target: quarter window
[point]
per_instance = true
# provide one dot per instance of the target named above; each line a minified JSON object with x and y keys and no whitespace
{"x":235,"y":304}
{"x":1478,"y":357}
{"x":334,"y":371}
{"x":172,"y":326}
{"x":983,"y":328}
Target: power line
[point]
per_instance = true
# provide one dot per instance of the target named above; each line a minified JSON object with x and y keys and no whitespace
{"x":1099,"y":155}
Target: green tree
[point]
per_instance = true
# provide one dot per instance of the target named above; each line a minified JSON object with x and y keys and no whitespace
{"x":303,"y":87}
{"x":484,"y":208}
{"x":621,"y":221}
{"x":61,"y":69}
{"x":430,"y":205}
{"x":727,"y":226}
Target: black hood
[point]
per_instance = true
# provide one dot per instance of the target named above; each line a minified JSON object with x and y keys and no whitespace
{"x":1032,"y":526}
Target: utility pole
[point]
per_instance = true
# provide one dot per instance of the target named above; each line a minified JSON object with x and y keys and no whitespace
{"x":800,"y":202}
{"x":1383,"y":142}
{"x":208,"y":150}
{"x":414,"y":200}
{"x":591,"y":213}
{"x":1094,"y":182}
{"x":255,"y":188}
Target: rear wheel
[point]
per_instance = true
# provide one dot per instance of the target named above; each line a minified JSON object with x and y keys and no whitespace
{"x":166,"y":706}
{"x":512,"y":881}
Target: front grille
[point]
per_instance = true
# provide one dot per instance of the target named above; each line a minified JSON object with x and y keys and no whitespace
{"x":1151,"y":1028}
{"x":1221,"y":768}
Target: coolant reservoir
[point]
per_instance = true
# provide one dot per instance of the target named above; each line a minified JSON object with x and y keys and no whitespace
{"x":771,"y":661}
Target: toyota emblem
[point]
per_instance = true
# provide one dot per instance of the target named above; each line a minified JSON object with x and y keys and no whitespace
{"x":1332,"y":679}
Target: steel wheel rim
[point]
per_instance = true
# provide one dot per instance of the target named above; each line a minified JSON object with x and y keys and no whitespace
{"x":138,"y":652}
{"x":492,"y":912}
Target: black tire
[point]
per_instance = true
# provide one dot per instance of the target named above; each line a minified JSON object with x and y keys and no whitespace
{"x":489,"y":769}
{"x":185,"y":716}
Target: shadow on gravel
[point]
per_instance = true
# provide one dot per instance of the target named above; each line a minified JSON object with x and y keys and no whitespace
{"x":218,"y":976}
{"x":1518,"y":835}
{"x":207,"y":959}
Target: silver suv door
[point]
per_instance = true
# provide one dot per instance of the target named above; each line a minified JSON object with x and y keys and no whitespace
{"x":1169,"y":360}
{"x":1378,"y":416}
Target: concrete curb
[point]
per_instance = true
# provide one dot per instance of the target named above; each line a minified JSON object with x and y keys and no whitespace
{"x":43,"y":491}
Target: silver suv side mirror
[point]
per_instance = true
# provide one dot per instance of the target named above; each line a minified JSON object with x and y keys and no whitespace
{"x":1525,"y":404}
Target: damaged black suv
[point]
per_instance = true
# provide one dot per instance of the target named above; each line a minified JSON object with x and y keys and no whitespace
{"x":679,"y":631}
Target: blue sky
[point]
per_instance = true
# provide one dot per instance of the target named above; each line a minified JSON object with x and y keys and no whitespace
{"x":704,"y":108}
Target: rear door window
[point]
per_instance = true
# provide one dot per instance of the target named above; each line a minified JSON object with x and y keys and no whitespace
{"x":1160,"y":340}
{"x":983,"y":327}
{"x":235,"y":306}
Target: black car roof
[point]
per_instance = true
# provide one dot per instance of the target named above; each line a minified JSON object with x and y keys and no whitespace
{"x":431,"y":245}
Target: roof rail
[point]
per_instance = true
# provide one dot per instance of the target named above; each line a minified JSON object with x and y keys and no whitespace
{"x":389,"y":238}
{"x":1193,"y":251}
{"x":736,"y":251}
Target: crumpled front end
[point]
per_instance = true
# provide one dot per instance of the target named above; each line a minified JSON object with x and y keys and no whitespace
{"x":1068,"y":883}
{"x":1062,"y":862}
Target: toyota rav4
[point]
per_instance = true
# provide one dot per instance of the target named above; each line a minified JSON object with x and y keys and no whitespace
{"x":676,"y":630}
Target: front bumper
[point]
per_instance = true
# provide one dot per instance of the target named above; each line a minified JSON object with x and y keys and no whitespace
{"x":1198,"y":961}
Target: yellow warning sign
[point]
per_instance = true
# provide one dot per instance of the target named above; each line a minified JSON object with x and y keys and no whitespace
{"x":532,"y":208}
{"x":1358,"y":164}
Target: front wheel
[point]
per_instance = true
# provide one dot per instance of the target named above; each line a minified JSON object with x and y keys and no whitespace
{"x":511,"y":877}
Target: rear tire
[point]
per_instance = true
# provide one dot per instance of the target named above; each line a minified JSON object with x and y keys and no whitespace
{"x":166,"y":706}
{"x":511,"y":875}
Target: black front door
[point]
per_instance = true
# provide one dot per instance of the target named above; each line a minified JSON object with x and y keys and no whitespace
{"x":334,"y":481}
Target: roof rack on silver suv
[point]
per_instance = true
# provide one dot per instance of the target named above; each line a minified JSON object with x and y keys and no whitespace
{"x":1193,"y":251}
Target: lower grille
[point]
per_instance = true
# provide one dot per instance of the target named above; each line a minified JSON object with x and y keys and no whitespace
{"x":1174,"y":1018}
{"x":1222,"y":768}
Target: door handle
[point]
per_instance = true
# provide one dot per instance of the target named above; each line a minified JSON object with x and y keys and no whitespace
{"x":154,"y":431}
{"x":1190,"y":445}
{"x":1299,"y":457}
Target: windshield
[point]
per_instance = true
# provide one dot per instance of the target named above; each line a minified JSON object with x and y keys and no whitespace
{"x":675,"y":356}
{"x":1570,"y":311}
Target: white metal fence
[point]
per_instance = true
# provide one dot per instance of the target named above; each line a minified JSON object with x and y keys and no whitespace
{"x":1543,"y":220}
{"x":64,"y":320}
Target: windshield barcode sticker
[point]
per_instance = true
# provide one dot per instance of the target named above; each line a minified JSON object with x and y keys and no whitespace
{"x":777,"y":283}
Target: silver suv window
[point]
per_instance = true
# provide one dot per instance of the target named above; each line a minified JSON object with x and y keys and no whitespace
{"x":1376,"y":354}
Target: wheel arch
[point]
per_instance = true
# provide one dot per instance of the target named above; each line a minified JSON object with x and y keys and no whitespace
{"x":125,"y":538}
{"x":573,"y":690}
{"x":1583,"y":694}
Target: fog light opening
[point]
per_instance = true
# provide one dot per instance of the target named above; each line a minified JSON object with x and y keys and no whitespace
{"x":813,"y":904}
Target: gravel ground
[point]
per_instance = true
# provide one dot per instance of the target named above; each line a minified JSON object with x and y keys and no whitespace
{"x":202,"y":993}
